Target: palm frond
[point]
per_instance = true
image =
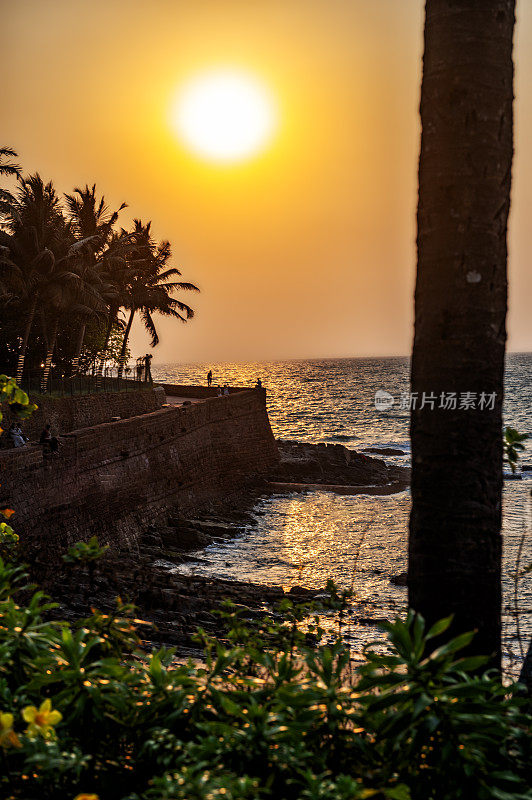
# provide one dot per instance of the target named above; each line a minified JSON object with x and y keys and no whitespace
{"x":150,"y":327}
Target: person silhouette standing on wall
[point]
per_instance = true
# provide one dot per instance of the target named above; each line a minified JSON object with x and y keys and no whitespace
{"x":209,"y":377}
{"x":147,"y":368}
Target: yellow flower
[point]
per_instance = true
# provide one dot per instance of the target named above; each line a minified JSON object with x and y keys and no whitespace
{"x":83,"y":796}
{"x":8,"y":737}
{"x":41,"y":720}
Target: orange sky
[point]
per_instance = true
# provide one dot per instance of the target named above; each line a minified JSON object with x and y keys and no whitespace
{"x":307,"y":250}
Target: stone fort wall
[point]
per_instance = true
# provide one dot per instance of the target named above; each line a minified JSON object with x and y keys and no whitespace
{"x":66,"y":414}
{"x":115,"y":478}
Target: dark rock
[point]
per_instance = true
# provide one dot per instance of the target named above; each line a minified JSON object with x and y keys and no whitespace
{"x":184,"y":538}
{"x":300,"y":591}
{"x":327,"y":464}
{"x":400,"y":579}
{"x":384,"y":451}
{"x":212,"y":528}
{"x":230,"y":516}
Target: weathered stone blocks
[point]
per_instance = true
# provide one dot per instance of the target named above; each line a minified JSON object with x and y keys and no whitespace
{"x":113,"y":479}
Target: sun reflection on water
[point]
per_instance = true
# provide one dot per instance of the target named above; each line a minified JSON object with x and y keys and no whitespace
{"x":304,"y":539}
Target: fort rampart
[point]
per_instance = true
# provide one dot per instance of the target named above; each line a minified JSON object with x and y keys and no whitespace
{"x":114,"y":478}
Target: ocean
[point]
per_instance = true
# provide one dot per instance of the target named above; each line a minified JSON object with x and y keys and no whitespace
{"x":360,"y":540}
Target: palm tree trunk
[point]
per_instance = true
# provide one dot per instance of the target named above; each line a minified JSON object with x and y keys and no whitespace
{"x":25,"y":339}
{"x":77,"y":353}
{"x":123,"y":349}
{"x":460,"y":312}
{"x":101,"y":362}
{"x":49,"y":356}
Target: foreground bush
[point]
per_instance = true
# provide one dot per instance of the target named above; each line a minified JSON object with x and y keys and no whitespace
{"x":276,"y":712}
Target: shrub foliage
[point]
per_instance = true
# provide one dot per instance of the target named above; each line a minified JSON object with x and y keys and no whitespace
{"x":274,"y":710}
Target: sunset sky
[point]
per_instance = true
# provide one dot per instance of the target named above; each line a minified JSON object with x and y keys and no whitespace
{"x":304,"y":249}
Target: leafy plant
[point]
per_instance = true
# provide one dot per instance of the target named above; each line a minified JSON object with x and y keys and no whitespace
{"x":275,"y":711}
{"x":85,"y":552}
{"x":18,"y":400}
{"x":20,"y":405}
{"x":8,"y":539}
{"x":85,"y":555}
{"x":513,"y":446}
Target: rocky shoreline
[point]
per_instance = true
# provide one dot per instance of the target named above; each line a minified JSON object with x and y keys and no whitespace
{"x":336,"y":465}
{"x":174,"y":604}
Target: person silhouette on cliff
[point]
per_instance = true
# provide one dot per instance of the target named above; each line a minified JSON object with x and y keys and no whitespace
{"x":209,"y":377}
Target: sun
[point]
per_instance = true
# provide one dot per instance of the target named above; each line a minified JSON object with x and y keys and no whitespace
{"x":224,"y":115}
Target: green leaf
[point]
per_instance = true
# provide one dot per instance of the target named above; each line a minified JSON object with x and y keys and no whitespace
{"x":458,"y":643}
{"x":439,"y":627}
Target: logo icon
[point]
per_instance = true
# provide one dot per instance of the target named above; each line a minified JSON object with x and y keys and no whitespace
{"x":383,"y":400}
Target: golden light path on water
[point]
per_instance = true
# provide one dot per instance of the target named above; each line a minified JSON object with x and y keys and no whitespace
{"x":305,"y":538}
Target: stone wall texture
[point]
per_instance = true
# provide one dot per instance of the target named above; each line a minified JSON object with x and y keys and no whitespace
{"x":183,"y":390}
{"x":114,"y":479}
{"x":71,"y":413}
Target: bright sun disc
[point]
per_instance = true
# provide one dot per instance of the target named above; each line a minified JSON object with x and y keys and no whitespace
{"x":224,"y":115}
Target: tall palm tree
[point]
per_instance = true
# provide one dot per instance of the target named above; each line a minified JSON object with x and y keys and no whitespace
{"x":31,"y":220}
{"x":90,"y":217}
{"x":71,"y":290}
{"x":151,"y":286}
{"x":46,"y":251}
{"x":460,"y":311}
{"x":118,"y":275}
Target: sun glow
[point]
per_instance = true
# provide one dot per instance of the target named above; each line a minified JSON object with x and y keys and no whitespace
{"x":224,"y":115}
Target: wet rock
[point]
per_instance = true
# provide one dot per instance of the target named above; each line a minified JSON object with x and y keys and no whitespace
{"x":300,"y":591}
{"x":384,"y":451}
{"x":327,"y":464}
{"x":230,"y":516}
{"x":213,"y":528}
{"x":400,"y":579}
{"x":184,"y":538}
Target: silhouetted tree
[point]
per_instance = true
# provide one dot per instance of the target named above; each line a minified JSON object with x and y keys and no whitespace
{"x":10,"y":169}
{"x":63,"y":267}
{"x":33,"y":222}
{"x":150,"y":288}
{"x":90,"y":217}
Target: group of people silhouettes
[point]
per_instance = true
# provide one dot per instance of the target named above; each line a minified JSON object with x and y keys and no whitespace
{"x":19,"y":439}
{"x":143,"y":368}
{"x":224,"y":390}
